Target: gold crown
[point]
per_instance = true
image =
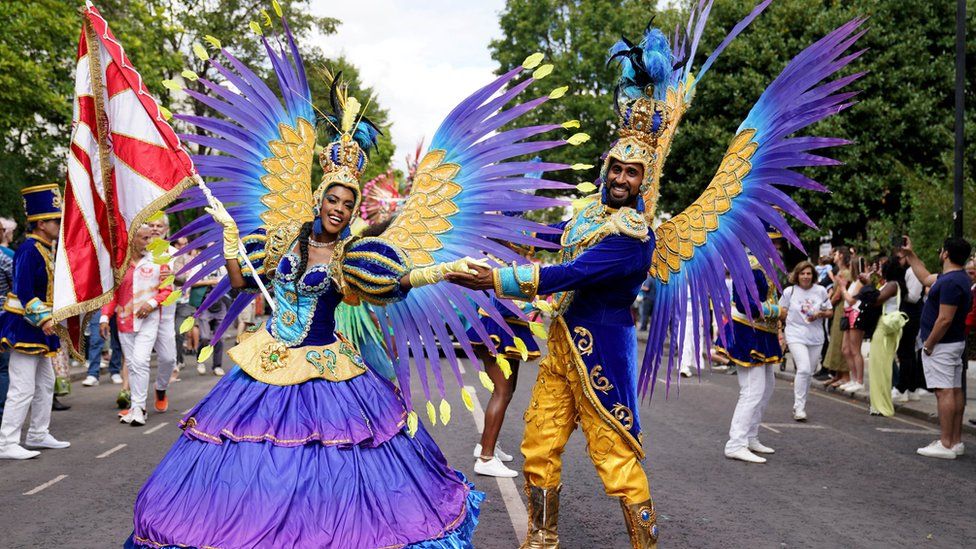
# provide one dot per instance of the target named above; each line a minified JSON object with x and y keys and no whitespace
{"x":343,"y":153}
{"x":645,"y":119}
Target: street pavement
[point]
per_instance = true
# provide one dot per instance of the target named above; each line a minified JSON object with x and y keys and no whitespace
{"x":843,"y":479}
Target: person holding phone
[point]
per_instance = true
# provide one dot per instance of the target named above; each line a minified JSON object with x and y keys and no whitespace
{"x":803,"y":308}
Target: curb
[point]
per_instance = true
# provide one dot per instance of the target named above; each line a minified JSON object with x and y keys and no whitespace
{"x":864,"y":397}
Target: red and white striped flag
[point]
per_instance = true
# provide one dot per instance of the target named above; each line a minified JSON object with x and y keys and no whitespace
{"x":124,"y":164}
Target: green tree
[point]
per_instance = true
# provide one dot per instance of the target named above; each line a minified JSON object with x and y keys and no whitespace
{"x":575,"y":36}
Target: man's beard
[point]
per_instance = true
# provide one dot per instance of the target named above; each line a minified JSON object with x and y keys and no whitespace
{"x":614,"y":202}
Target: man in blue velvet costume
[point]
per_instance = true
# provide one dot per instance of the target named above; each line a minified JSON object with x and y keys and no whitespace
{"x":27,"y":329}
{"x":589,"y":376}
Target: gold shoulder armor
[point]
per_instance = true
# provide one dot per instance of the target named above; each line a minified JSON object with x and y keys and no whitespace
{"x":627,"y":221}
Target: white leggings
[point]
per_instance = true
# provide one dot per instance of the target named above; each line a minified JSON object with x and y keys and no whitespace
{"x":807,"y":359}
{"x":137,"y":348}
{"x":755,"y":389}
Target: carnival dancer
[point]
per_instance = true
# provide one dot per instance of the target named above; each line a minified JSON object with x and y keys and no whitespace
{"x":27,"y":329}
{"x":753,"y":347}
{"x":592,"y":375}
{"x":302,"y":443}
{"x":136,"y":306}
{"x":502,"y":367}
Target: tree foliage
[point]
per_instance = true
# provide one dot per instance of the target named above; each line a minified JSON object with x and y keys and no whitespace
{"x":38,"y":52}
{"x":897,"y":173}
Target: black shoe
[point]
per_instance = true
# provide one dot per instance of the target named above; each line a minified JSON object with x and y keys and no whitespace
{"x":822,"y":375}
{"x":59,"y":406}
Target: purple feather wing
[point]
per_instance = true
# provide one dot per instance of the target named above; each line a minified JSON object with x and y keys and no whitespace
{"x":696,"y":248}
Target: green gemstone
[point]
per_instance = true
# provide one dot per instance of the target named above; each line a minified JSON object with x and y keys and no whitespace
{"x":274,"y":357}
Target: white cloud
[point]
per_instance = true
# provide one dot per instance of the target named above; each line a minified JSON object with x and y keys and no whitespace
{"x":421,"y":57}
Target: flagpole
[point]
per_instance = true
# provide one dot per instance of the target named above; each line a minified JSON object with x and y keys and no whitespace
{"x":241,"y":250}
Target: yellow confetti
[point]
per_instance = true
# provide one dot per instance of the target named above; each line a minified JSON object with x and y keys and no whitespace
{"x":157,"y":245}
{"x":504,"y":365}
{"x":200,"y":51}
{"x":171,"y":85}
{"x":189,"y":75}
{"x":580,"y":167}
{"x":267,"y":18}
{"x":431,"y":413}
{"x":162,"y":259}
{"x":538,"y":330}
{"x":168,"y":280}
{"x":205,"y":353}
{"x":187,"y":325}
{"x":155,"y":217}
{"x":543,"y":71}
{"x":445,"y":411}
{"x":277,"y":7}
{"x":571,"y":124}
{"x":256,"y":28}
{"x":533,"y":60}
{"x":171,"y":299}
{"x":412,"y":423}
{"x":212,"y":40}
{"x":167,"y":115}
{"x":543,"y":306}
{"x":586,"y":187}
{"x":486,"y":382}
{"x":466,"y":399}
{"x":558,"y":92}
{"x":578,"y":138}
{"x":522,"y":349}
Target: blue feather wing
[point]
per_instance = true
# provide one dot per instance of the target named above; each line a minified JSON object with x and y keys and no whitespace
{"x":695,"y":248}
{"x":261,"y":152}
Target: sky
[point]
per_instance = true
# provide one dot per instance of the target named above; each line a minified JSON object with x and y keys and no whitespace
{"x":422,"y":57}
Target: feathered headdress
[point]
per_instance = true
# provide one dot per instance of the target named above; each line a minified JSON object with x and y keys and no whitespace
{"x":353,"y":135}
{"x":647,"y":112}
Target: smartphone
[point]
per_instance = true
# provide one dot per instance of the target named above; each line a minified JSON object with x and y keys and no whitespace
{"x":860,"y":265}
{"x":904,"y":241}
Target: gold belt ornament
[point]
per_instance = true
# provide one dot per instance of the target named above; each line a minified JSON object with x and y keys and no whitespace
{"x":270,"y":361}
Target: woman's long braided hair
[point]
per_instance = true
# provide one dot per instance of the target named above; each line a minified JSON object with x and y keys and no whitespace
{"x":303,"y":237}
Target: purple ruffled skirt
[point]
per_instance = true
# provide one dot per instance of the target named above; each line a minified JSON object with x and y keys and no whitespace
{"x":319,"y":464}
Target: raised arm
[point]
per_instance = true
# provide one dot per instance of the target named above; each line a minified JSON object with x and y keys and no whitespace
{"x":918,"y":268}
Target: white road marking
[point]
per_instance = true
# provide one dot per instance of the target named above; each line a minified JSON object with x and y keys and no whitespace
{"x":110,"y":452}
{"x":156,"y":428}
{"x":791,"y":426}
{"x":187,"y":411}
{"x":47,"y":484}
{"x":763,"y":425}
{"x":461,"y":368}
{"x":910,"y":431}
{"x":510,"y":494}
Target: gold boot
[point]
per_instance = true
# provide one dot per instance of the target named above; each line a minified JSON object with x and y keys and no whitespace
{"x":543,"y":516}
{"x":641,"y":524}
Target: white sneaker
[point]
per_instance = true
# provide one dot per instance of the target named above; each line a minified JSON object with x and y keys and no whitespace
{"x":90,"y":381}
{"x":116,"y":379}
{"x":853,"y":388}
{"x":914,"y":395}
{"x":898,"y":396}
{"x":46,"y":441}
{"x":685,"y":371}
{"x":959,"y":448}
{"x":219,"y":372}
{"x":743,"y":454}
{"x":201,"y":369}
{"x":16,"y":451}
{"x":800,"y":415}
{"x":845,"y":385}
{"x":937,"y":450}
{"x":759,"y":447}
{"x":136,"y":416}
{"x":493,"y":468}
{"x":499,"y":453}
{"x":922,"y":392}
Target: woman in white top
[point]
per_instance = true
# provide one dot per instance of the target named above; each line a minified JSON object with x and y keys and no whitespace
{"x":803,"y":307}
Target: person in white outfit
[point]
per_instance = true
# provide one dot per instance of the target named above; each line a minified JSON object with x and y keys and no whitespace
{"x":27,"y":330}
{"x":136,"y":306}
{"x":803,"y":308}
{"x":165,"y":345}
{"x":753,"y":346}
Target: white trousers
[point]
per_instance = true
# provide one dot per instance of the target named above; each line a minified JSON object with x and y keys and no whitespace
{"x":137,"y":348}
{"x":165,"y":347}
{"x":807,"y":359}
{"x":755,"y":388}
{"x":31,"y":386}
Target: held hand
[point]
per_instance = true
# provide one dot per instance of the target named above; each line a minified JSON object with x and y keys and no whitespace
{"x":104,"y":330}
{"x":144,"y":310}
{"x":435,"y":273}
{"x":231,"y":235}
{"x":906,"y":245}
{"x":48,"y":327}
{"x":480,"y":279}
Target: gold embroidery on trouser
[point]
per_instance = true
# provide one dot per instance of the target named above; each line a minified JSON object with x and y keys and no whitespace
{"x":557,"y":405}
